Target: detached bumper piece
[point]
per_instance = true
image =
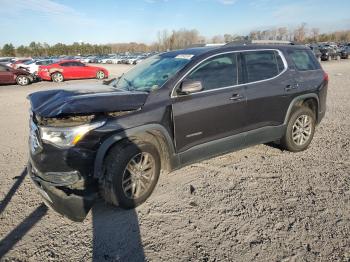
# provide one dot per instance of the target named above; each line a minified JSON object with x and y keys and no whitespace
{"x":73,"y":204}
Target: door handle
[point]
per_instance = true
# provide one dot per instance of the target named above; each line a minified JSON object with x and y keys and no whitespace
{"x":236,"y":97}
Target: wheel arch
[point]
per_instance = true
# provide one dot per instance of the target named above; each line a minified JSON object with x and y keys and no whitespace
{"x":153,"y":133}
{"x":310,"y":100}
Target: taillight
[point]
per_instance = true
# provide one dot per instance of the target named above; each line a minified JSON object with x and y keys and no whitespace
{"x":325,"y":76}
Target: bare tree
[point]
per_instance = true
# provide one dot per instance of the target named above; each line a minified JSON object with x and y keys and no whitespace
{"x":282,"y":33}
{"x":217,"y":39}
{"x":315,"y":32}
{"x":254,"y":35}
{"x":300,"y":33}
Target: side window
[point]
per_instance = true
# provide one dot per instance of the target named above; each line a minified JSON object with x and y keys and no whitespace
{"x":79,"y":64}
{"x":66,"y":64}
{"x":262,"y":65}
{"x":219,"y":71}
{"x":303,"y":60}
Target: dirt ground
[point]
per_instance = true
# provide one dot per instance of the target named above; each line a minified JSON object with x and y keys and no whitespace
{"x":258,"y":204}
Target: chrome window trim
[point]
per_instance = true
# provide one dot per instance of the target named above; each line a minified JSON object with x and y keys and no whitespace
{"x":173,"y":93}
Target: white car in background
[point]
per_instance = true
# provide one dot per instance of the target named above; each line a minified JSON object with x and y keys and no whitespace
{"x":111,"y":60}
{"x":88,"y":59}
{"x":24,"y":64}
{"x":34,"y":66}
{"x":131,"y":60}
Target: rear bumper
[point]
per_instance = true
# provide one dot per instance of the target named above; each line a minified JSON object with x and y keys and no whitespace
{"x":71,"y":203}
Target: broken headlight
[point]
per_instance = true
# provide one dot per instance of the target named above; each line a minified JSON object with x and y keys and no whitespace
{"x":67,"y":136}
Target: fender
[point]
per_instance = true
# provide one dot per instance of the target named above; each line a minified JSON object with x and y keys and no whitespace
{"x":296,"y":100}
{"x":109,"y":142}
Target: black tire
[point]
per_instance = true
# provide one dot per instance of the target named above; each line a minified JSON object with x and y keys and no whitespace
{"x":57,"y":77}
{"x":287,"y":141}
{"x":115,"y":164}
{"x":22,"y":80}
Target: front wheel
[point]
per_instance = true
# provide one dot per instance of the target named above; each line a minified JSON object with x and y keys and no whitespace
{"x":300,"y":130}
{"x":131,"y":173}
{"x":100,"y":75}
{"x":57,"y":77}
{"x":22,"y":80}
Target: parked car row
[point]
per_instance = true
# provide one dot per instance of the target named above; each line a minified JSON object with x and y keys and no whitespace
{"x":118,"y":59}
{"x":26,"y":71}
{"x":330,"y":51}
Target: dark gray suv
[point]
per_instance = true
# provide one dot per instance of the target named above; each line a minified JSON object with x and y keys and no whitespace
{"x":173,"y":109}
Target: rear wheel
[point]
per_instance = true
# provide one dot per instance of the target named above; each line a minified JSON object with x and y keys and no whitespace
{"x":131,"y":174}
{"x":57,"y":77}
{"x":22,"y":80}
{"x":100,"y":75}
{"x":300,"y":130}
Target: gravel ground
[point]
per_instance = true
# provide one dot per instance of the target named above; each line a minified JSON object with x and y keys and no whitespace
{"x":257,"y":204}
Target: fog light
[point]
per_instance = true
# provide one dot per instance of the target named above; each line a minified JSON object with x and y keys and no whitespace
{"x":61,"y":178}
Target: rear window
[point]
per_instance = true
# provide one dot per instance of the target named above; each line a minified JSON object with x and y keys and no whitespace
{"x":262,"y":65}
{"x":304,"y":60}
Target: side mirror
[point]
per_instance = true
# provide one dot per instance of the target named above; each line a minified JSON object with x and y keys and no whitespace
{"x":190,"y":86}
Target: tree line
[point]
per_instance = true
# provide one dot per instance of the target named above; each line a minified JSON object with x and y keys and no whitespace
{"x":176,"y":39}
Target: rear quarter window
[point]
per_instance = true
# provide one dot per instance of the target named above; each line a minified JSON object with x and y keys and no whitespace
{"x":304,"y":60}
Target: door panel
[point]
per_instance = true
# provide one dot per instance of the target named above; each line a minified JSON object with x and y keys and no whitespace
{"x":208,"y":116}
{"x":6,"y":76}
{"x":215,"y":112}
{"x":82,"y":71}
{"x":266,"y":89}
{"x":67,"y":70}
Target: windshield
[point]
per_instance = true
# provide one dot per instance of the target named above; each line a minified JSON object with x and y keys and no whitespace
{"x":151,"y":74}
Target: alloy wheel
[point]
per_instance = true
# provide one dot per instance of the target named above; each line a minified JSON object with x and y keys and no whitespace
{"x":58,"y":77}
{"x":302,"y":130}
{"x":22,"y":80}
{"x":138,"y":175}
{"x":100,"y":75}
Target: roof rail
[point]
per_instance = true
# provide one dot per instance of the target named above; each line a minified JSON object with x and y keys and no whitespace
{"x":206,"y":45}
{"x":261,"y":42}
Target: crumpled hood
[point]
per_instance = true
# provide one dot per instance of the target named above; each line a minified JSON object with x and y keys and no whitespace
{"x":80,"y":100}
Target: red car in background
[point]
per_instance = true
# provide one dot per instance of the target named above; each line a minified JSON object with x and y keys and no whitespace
{"x":70,"y":69}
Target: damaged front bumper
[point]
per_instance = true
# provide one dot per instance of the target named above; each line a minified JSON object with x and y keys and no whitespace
{"x":72,"y":203}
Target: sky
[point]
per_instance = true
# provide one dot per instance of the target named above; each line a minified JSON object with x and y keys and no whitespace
{"x":115,"y":21}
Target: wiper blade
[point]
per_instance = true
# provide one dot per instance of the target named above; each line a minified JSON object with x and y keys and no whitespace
{"x":129,"y":84}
